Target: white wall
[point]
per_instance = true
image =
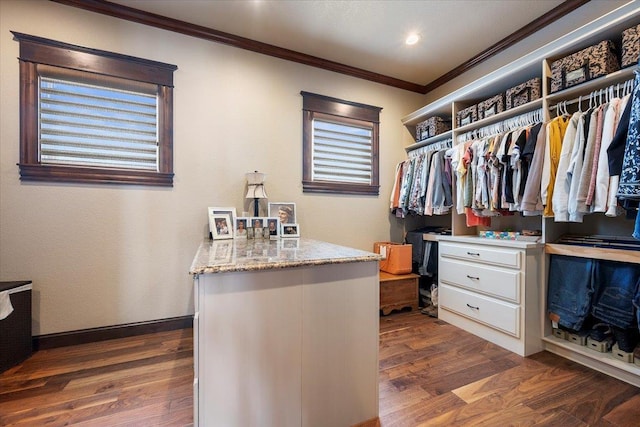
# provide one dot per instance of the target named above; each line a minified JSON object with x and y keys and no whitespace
{"x":104,"y":255}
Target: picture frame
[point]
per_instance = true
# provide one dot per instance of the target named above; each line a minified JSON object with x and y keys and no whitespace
{"x":257,"y":223}
{"x":290,"y":230}
{"x":222,"y":226}
{"x":273,"y":225}
{"x":285,"y":211}
{"x":220,"y":211}
{"x":240,"y":226}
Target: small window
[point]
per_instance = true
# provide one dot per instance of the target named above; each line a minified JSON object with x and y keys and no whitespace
{"x":340,"y":146}
{"x":93,"y":116}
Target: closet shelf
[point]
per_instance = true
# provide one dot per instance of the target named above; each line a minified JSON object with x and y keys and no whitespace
{"x":530,"y":106}
{"x":603,"y":362}
{"x":442,"y":137}
{"x":591,"y":85}
{"x":621,"y":255}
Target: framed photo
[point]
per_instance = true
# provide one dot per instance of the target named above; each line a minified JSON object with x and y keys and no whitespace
{"x":290,"y":230}
{"x":273,"y":225}
{"x":257,"y":223}
{"x":222,"y":227}
{"x":285,"y":211}
{"x":220,"y":211}
{"x":240,"y":227}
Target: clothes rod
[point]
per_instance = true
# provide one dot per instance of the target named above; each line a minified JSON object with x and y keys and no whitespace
{"x":626,"y":87}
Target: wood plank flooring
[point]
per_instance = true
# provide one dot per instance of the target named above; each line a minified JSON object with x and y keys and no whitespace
{"x":431,"y":374}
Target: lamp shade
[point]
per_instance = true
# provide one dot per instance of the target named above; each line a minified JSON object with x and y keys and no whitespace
{"x":255,"y":185}
{"x":255,"y":178}
{"x":256,"y":191}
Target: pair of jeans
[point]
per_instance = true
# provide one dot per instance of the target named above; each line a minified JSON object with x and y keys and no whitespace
{"x":617,"y":289}
{"x":571,"y":287}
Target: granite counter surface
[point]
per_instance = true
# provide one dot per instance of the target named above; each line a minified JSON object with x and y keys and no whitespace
{"x":221,"y":256}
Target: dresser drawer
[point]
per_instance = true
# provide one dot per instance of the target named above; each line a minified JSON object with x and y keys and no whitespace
{"x":489,"y":255}
{"x":484,"y":279}
{"x":491,"y":312}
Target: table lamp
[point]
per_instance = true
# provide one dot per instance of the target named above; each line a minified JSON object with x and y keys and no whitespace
{"x":255,"y":189}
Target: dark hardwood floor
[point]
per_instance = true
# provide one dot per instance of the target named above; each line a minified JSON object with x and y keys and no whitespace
{"x":431,"y":374}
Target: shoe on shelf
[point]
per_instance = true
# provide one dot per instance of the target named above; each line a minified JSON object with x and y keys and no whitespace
{"x":627,"y":338}
{"x":601,"y":332}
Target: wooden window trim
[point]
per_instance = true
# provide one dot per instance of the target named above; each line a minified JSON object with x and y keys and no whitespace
{"x":35,"y":51}
{"x":346,"y":112}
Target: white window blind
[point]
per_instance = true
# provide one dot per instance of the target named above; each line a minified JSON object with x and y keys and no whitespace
{"x":97,"y":126}
{"x":341,"y":152}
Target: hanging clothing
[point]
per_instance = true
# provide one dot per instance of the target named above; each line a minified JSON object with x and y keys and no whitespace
{"x":599,"y":184}
{"x":615,"y":154}
{"x":560,"y":195}
{"x":594,"y":137}
{"x":532,"y":196}
{"x":629,"y":187}
{"x":556,"y":131}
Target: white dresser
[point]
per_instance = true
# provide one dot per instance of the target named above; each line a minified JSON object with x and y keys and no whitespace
{"x":491,"y":288}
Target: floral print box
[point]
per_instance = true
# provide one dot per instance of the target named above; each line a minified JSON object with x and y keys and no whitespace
{"x":595,"y":61}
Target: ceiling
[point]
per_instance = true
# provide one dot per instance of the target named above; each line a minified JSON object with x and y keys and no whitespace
{"x":368,"y":35}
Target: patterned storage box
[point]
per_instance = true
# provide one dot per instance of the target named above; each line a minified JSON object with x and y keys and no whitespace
{"x":468,"y":115}
{"x":491,"y":106}
{"x":431,"y":127}
{"x":595,"y":61}
{"x":523,"y":93}
{"x":630,"y":46}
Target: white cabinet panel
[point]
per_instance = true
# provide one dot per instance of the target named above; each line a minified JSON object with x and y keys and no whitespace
{"x":496,"y":314}
{"x":492,"y":290}
{"x":478,"y":253}
{"x":497,"y":282}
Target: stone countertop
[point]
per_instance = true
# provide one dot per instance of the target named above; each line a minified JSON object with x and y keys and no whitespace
{"x":222,"y":256}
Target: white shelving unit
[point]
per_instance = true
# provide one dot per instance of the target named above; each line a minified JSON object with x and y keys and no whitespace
{"x":537,"y":64}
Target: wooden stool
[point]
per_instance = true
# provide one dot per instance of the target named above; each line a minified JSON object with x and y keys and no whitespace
{"x":398,"y":291}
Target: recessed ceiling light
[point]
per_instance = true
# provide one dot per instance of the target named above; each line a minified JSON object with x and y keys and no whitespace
{"x":412,"y":39}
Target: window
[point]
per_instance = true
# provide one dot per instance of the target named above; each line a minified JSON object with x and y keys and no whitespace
{"x":340,"y":146}
{"x":93,"y":116}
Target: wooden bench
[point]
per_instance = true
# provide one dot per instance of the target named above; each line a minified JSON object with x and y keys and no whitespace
{"x":398,"y":291}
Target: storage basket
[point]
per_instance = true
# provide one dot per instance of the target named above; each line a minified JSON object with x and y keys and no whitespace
{"x":491,"y":107}
{"x":431,"y":127}
{"x":595,"y":61}
{"x":523,"y":93}
{"x":467,"y":116}
{"x":630,"y":46}
{"x":398,"y":257}
{"x":15,"y":329}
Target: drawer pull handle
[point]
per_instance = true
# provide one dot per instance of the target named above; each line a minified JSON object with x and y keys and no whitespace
{"x":473,"y":253}
{"x":473,"y":277}
{"x":471,"y":306}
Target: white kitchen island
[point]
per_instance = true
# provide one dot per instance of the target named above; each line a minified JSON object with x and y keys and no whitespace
{"x":285,"y":334}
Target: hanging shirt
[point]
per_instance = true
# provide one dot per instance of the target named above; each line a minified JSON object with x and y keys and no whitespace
{"x":615,"y":154}
{"x":532,"y":198}
{"x":575,"y":166}
{"x":556,"y":131}
{"x":578,"y":195}
{"x":629,"y":187}
{"x":602,"y":180}
{"x":560,"y":195}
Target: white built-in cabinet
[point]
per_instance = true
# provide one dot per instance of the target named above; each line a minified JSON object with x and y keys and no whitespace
{"x":514,"y":314}
{"x":491,"y":289}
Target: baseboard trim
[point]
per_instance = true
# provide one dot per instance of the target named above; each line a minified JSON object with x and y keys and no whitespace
{"x":84,"y":336}
{"x":373,"y":422}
